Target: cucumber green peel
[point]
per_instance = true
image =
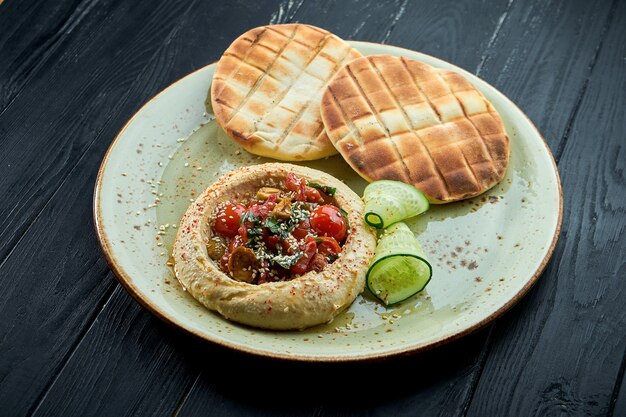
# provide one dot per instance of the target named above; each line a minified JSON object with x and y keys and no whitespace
{"x":399,"y":269}
{"x":388,"y":202}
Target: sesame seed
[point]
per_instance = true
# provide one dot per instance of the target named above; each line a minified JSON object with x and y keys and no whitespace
{"x":138,"y":212}
{"x":124,"y":174}
{"x":160,"y":163}
{"x":395,"y":316}
{"x":186,"y":164}
{"x":159,"y":243}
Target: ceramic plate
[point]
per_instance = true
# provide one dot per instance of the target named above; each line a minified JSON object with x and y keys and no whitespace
{"x":486,"y":252}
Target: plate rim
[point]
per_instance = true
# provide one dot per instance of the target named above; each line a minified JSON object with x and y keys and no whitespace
{"x":126,"y":281}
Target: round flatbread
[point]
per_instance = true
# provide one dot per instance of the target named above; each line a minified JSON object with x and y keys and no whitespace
{"x":304,"y":301}
{"x":400,"y":119}
{"x":268,"y":85}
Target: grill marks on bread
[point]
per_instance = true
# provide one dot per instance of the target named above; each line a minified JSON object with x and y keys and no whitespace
{"x":396,"y":118}
{"x":268,"y":86}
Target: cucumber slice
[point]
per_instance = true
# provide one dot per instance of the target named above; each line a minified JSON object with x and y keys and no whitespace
{"x":388,"y":202}
{"x":399,"y":269}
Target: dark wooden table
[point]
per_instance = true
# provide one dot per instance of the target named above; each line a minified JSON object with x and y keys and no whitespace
{"x":73,"y":342}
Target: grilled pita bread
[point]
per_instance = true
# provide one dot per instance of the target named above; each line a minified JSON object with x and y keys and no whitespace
{"x":400,"y":119}
{"x":268,"y":85}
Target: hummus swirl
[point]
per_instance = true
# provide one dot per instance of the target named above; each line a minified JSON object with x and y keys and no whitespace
{"x":307,"y":300}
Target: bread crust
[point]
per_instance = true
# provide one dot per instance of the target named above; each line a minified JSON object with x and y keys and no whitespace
{"x":400,"y":119}
{"x":268,"y":85}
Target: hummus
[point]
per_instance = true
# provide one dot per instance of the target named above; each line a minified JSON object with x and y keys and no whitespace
{"x":304,"y":301}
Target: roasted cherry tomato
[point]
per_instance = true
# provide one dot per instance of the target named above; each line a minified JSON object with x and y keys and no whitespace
{"x":301,"y":266}
{"x":261,"y":210}
{"x":328,"y":221}
{"x":224,"y":262}
{"x":303,"y":191}
{"x":237,"y":241}
{"x":292,"y":183}
{"x":302,"y":229}
{"x":328,"y":246}
{"x":312,"y":195}
{"x":227,"y":219}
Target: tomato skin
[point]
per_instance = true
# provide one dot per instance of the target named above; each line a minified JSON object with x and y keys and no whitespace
{"x":291,"y":182}
{"x":237,"y":241}
{"x":224,"y":262}
{"x":327,"y":220}
{"x":303,"y":191}
{"x":227,"y":219}
{"x":261,"y":210}
{"x":328,"y":246}
{"x":302,"y":229}
{"x":302,"y":265}
{"x":312,"y":195}
{"x":271,"y":241}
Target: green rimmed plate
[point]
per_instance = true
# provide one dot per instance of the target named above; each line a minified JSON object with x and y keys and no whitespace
{"x":486,"y":252}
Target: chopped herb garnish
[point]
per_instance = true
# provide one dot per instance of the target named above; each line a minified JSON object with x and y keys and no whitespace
{"x":248,"y":216}
{"x":274,"y":226}
{"x":330,"y":191}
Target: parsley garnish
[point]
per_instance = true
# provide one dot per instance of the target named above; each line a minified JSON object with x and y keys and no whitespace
{"x":248,"y":216}
{"x":330,"y":191}
{"x":274,"y":226}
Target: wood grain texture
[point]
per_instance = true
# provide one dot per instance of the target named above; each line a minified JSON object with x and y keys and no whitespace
{"x":30,"y":30}
{"x":560,"y":353}
{"x":71,"y":97}
{"x":424,"y":384}
{"x":107,"y":376}
{"x":542,"y":56}
{"x":57,"y":266}
{"x":617,"y":407}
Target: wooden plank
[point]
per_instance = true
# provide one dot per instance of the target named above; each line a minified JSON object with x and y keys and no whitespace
{"x":108,"y":376}
{"x":562,"y":352}
{"x":429,"y":384}
{"x":441,"y":29}
{"x":617,"y":407}
{"x":541,"y":58}
{"x":70,"y":98}
{"x":22,"y":48}
{"x":55,"y":279}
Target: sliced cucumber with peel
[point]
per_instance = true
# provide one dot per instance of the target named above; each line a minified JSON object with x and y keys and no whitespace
{"x":399,"y":269}
{"x":388,"y":202}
